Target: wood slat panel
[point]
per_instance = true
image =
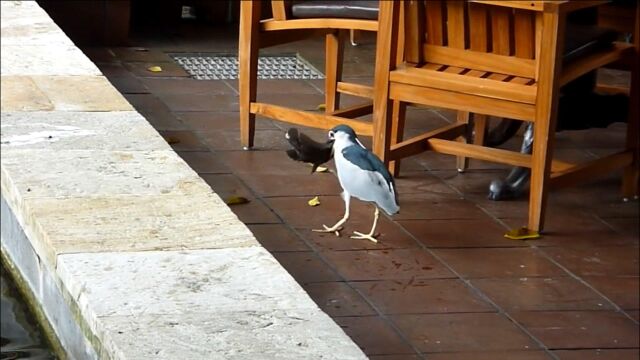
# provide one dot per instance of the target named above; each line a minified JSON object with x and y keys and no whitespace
{"x":478,"y":28}
{"x":354,"y":111}
{"x":455,"y":24}
{"x":501,"y":30}
{"x":479,"y":61}
{"x":320,"y":23}
{"x":490,"y":154}
{"x":310,"y":119}
{"x":591,"y":170}
{"x":480,"y":152}
{"x":494,"y":88}
{"x":535,"y":5}
{"x":521,"y":80}
{"x":454,"y":70}
{"x":413,"y":32}
{"x":465,"y":102}
{"x":524,"y":31}
{"x":497,"y":77}
{"x":418,"y":144}
{"x":435,"y":22}
{"x":354,"y":89}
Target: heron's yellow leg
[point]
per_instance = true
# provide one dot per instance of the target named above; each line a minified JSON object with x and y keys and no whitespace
{"x":369,"y":236}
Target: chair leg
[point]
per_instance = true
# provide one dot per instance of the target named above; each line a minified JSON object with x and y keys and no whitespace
{"x":334,"y":52}
{"x":462,"y":162}
{"x":399,"y":111}
{"x":543,"y":143}
{"x":248,"y":49}
{"x":631,"y":177}
{"x":480,"y":123}
{"x":545,"y":117}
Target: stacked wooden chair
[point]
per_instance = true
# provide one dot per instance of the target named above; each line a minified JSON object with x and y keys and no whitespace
{"x":491,"y":58}
{"x":292,"y":21}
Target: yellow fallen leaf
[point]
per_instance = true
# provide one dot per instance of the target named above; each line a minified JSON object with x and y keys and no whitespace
{"x":154,"y":68}
{"x":522,"y":234}
{"x":314,"y":202}
{"x":319,"y":168}
{"x":236,"y":200}
{"x":321,"y":107}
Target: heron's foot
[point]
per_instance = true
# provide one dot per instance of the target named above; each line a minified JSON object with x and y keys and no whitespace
{"x":334,"y":229}
{"x":359,"y":235}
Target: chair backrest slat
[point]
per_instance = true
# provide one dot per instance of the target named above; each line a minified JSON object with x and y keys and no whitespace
{"x":477,"y":36}
{"x":455,"y":24}
{"x":524,"y":30}
{"x":435,"y":22}
{"x":501,"y":30}
{"x":478,"y":21}
{"x":280,"y":9}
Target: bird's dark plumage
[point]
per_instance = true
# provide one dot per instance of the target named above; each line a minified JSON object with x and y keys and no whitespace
{"x":308,"y":150}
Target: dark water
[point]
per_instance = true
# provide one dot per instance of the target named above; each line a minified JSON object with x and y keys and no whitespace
{"x":21,"y":337}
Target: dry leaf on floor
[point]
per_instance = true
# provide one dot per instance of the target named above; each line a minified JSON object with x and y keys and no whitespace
{"x":522,"y":234}
{"x":236,"y":200}
{"x":154,"y":68}
{"x":321,"y":107}
{"x":314,"y":202}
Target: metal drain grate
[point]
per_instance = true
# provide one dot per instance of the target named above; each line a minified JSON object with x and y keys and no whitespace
{"x":225,"y":67}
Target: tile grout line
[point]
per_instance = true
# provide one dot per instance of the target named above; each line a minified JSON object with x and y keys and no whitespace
{"x":617,"y":308}
{"x":384,"y":316}
{"x":318,"y":253}
{"x":486,"y":298}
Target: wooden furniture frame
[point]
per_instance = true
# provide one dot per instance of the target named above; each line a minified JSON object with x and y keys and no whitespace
{"x":491,"y":58}
{"x":281,"y":28}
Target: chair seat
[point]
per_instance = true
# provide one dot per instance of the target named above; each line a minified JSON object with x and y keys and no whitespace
{"x":468,"y":81}
{"x":353,"y":9}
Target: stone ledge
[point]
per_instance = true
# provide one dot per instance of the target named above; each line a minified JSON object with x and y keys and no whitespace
{"x":140,"y":258}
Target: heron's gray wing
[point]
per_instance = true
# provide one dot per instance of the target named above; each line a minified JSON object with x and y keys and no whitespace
{"x":366,"y":160}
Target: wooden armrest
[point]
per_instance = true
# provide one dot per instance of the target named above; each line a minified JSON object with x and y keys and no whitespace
{"x":539,"y":5}
{"x":535,"y":5}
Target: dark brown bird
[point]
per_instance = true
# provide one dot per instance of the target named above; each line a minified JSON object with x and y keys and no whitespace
{"x":308,"y":150}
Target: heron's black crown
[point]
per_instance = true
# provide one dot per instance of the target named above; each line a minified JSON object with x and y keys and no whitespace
{"x":346,"y":129}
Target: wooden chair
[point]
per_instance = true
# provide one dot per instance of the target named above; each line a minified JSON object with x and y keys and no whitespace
{"x":491,"y":58}
{"x":291,"y":24}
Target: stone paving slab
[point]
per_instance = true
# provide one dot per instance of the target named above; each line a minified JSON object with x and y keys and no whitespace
{"x":20,"y":93}
{"x":162,"y":222}
{"x":282,"y":334}
{"x":96,"y":173}
{"x":178,"y":282}
{"x":51,"y":60}
{"x":208,"y":304}
{"x":58,"y":130}
{"x":32,"y":30}
{"x":66,"y":93}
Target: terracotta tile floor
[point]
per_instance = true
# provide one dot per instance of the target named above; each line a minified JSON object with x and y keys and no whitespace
{"x":442,"y":283}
